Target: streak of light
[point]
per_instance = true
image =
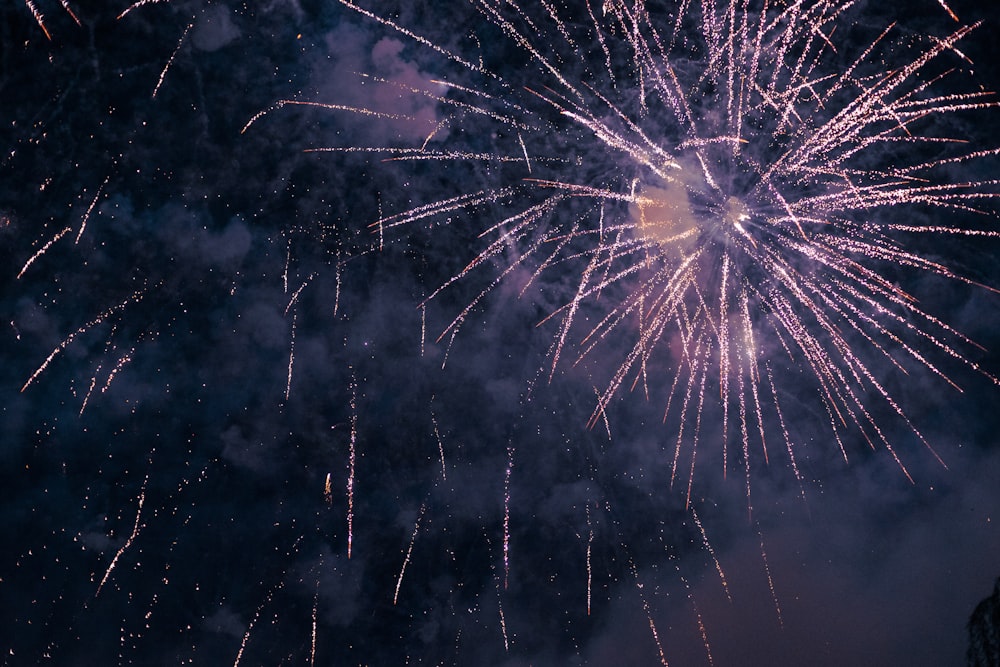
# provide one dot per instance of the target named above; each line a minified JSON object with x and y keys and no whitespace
{"x":137,"y":5}
{"x":649,"y":613}
{"x":590,"y":542}
{"x":134,"y":298}
{"x":39,"y":18}
{"x":409,"y":551}
{"x":506,"y":516}
{"x":291,"y":357}
{"x":131,"y":538}
{"x":41,"y":251}
{"x":170,"y":61}
{"x":93,"y":202}
{"x":770,"y":579}
{"x":312,"y":635}
{"x":711,"y":552}
{"x":440,"y":443}
{"x":351,"y":462}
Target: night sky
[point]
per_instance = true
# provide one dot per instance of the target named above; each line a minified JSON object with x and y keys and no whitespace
{"x":229,"y":434}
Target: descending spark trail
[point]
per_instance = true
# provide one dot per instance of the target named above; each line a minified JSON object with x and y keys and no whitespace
{"x":732,"y":175}
{"x":351,"y":464}
{"x":134,"y":298}
{"x":170,"y":61}
{"x":39,"y":18}
{"x":409,"y":552}
{"x":128,"y":542}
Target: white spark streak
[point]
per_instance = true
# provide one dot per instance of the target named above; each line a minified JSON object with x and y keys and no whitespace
{"x":131,"y":538}
{"x":170,"y":61}
{"x":409,"y":552}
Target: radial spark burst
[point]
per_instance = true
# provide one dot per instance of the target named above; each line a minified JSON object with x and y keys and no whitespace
{"x":734,"y":188}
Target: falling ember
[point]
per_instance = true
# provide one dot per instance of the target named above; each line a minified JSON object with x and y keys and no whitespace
{"x":38,"y":18}
{"x":711,"y":552}
{"x":409,"y":552}
{"x":312,"y":636}
{"x":69,"y":10}
{"x":138,"y":4}
{"x":291,"y":357}
{"x":770,"y":579}
{"x":649,"y":613}
{"x":170,"y":61}
{"x":697,"y":613}
{"x":93,"y":203}
{"x":250,"y":627}
{"x":506,"y":516}
{"x":128,"y":542}
{"x":437,"y":434}
{"x":268,"y":598}
{"x":590,"y":543}
{"x":41,"y":251}
{"x":137,"y":296}
{"x":351,"y":463}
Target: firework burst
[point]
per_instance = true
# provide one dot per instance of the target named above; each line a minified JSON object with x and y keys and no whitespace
{"x":711,"y":204}
{"x":734,"y":187}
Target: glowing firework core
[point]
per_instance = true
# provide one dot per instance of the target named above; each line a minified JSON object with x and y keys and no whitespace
{"x":664,"y":215}
{"x":688,"y":207}
{"x":736,"y":211}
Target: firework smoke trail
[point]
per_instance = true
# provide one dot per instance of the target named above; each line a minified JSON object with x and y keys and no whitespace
{"x":722,"y":174}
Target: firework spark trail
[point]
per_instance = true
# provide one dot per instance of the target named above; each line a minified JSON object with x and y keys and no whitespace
{"x":293,"y":549}
{"x":770,"y":580}
{"x":250,"y":627}
{"x":506,"y":516}
{"x":39,"y":18}
{"x":409,"y":551}
{"x":291,"y":356}
{"x":137,"y":5}
{"x":697,"y":432}
{"x":41,"y":251}
{"x":333,"y":107}
{"x":422,"y":40}
{"x":170,"y":60}
{"x":124,"y":359}
{"x":503,"y":619}
{"x":312,"y":634}
{"x":131,"y":538}
{"x":351,"y":462}
{"x":711,"y":552}
{"x":93,"y":203}
{"x":702,"y":630}
{"x":649,"y":612}
{"x":90,"y":390}
{"x":423,"y":329}
{"x":134,"y":298}
{"x":590,"y":544}
{"x":789,"y":446}
{"x":69,"y":10}
{"x":437,"y":435}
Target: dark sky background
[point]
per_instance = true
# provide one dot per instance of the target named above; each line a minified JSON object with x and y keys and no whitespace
{"x":163,"y":478}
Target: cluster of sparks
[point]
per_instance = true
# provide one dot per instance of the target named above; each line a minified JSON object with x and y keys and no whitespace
{"x":734,"y":188}
{"x":40,"y":17}
{"x":757,"y":189}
